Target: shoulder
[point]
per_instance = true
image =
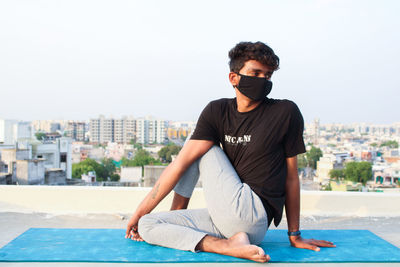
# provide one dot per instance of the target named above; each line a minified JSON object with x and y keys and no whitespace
{"x":218,"y":104}
{"x":283,"y":103}
{"x":284,"y":106}
{"x":221,"y":102}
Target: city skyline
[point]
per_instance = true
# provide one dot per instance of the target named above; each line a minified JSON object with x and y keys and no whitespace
{"x":322,"y":122}
{"x":338,"y":58}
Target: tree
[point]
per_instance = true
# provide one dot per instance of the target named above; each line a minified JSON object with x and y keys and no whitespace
{"x":358,"y":172}
{"x":336,"y":173}
{"x":40,"y":136}
{"x":138,"y":146}
{"x":301,"y":161}
{"x":390,"y":144}
{"x":141,"y":158}
{"x":89,"y":165}
{"x":115,"y":177}
{"x":313,"y":156}
{"x":80,"y":168}
{"x":109,"y":167}
{"x":104,"y":170}
{"x":166,"y":152}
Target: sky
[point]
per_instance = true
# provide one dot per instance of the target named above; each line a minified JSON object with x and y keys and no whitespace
{"x":339,"y":60}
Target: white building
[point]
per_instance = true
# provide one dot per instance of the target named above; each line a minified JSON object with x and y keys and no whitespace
{"x":48,"y":126}
{"x":103,"y":130}
{"x":57,"y":155}
{"x":12,"y":131}
{"x":76,"y":130}
{"x":6,"y":131}
{"x":150,"y":130}
{"x":29,"y":172}
{"x":131,"y":174}
{"x":89,"y":178}
{"x":329,"y":162}
{"x":54,"y":155}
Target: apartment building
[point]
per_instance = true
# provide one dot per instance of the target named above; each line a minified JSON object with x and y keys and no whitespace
{"x":103,"y":130}
{"x":75,"y":130}
{"x":150,"y":130}
{"x":12,"y":131}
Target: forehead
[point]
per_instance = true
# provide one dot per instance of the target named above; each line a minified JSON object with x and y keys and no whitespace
{"x":254,"y":65}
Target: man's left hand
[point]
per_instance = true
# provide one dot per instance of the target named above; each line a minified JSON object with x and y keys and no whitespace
{"x":299,"y":242}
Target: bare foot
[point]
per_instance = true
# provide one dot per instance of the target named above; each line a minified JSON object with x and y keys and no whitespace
{"x":237,"y":246}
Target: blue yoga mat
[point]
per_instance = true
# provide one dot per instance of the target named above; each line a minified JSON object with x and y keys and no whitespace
{"x":109,"y":245}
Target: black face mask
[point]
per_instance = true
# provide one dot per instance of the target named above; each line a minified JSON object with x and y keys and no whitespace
{"x":255,"y":88}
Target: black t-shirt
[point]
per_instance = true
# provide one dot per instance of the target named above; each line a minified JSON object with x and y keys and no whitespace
{"x":257,"y":144}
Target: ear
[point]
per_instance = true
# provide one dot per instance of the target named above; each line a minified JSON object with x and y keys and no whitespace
{"x":234,"y":79}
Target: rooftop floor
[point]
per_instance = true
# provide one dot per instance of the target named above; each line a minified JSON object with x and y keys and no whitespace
{"x":13,"y":224}
{"x":24,"y":207}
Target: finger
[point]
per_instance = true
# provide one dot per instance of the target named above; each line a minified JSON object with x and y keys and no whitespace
{"x":311,"y":247}
{"x":323,"y":243}
{"x":136,"y":235}
{"x":139,"y":239}
{"x":326,"y":242}
{"x":128,"y":235}
{"x":306,"y":245}
{"x":129,"y":230}
{"x":320,"y":242}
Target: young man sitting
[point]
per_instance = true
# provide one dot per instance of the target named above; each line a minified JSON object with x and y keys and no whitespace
{"x":246,"y":183}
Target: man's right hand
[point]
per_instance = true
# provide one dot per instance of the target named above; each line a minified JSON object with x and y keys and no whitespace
{"x":132,"y":229}
{"x":192,"y":150}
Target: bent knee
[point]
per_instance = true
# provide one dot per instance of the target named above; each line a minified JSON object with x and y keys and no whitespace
{"x":145,"y":224}
{"x":257,"y":234}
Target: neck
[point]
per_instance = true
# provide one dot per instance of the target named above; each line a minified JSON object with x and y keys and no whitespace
{"x":245,"y":104}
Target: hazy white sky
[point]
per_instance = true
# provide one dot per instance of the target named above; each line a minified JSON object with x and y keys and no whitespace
{"x":340,"y":59}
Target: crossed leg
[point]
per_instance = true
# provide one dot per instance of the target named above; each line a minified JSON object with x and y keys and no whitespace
{"x":234,"y":220}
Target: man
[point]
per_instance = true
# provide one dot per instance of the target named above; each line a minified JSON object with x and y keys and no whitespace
{"x":247,"y":183}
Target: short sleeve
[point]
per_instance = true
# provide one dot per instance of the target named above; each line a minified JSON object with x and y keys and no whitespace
{"x":206,"y":128}
{"x":293,"y":140}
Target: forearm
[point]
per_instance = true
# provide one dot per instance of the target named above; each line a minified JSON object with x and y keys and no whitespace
{"x":171,"y":175}
{"x":292,"y":204}
{"x":163,"y":187}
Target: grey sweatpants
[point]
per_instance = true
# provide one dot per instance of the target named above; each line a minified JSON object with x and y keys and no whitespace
{"x":232,"y":207}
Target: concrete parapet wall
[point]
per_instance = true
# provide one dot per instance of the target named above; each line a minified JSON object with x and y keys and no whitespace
{"x":111,"y":200}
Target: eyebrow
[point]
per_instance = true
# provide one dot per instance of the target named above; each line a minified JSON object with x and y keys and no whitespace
{"x":259,"y":70}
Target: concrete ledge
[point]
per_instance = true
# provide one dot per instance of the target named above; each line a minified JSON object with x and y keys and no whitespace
{"x":112,"y":200}
{"x":362,"y":204}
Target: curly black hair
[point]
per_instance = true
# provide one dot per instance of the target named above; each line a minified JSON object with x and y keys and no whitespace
{"x":245,"y":51}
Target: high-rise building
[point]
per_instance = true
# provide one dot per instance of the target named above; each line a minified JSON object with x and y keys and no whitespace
{"x":12,"y":131}
{"x":48,"y":126}
{"x":103,"y":130}
{"x":150,"y":130}
{"x":129,"y":130}
{"x":75,"y":130}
